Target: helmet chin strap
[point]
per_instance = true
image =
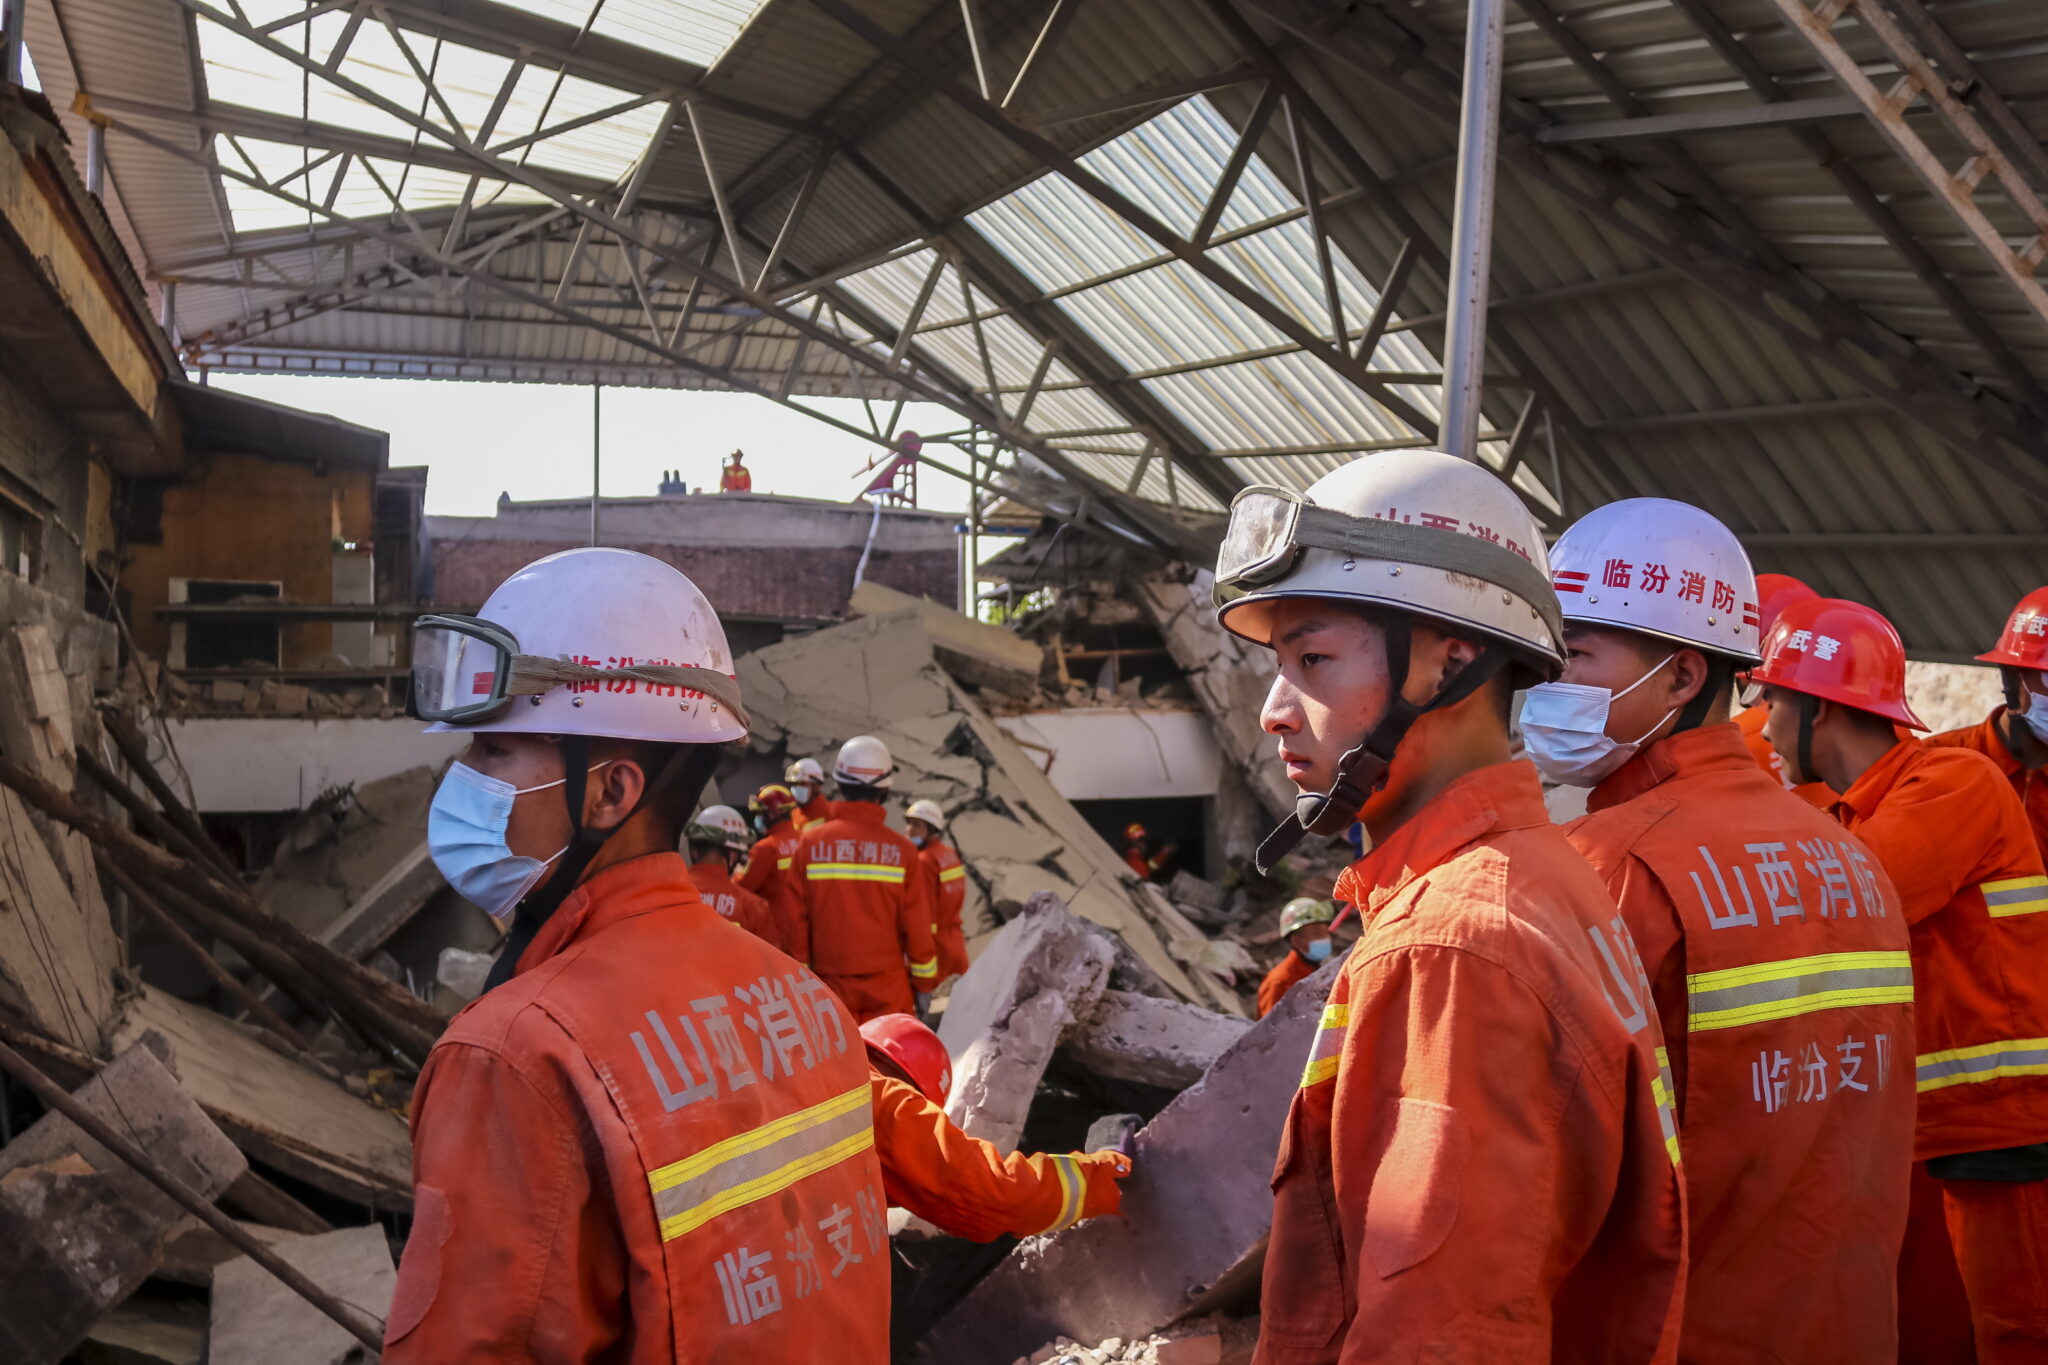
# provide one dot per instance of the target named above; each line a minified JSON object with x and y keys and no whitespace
{"x":1363,"y":770}
{"x":584,"y":843}
{"x":1808,"y":706}
{"x":2009,"y":679}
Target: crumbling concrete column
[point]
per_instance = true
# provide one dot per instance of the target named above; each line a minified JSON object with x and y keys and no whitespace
{"x":1229,"y":678}
{"x":1044,"y":971}
{"x":1197,"y":1210}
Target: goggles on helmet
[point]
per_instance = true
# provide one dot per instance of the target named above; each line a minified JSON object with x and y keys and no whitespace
{"x":466,"y":670}
{"x":1270,"y":528}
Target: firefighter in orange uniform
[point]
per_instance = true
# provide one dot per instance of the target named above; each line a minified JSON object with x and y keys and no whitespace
{"x":945,"y":882}
{"x":651,"y":1138}
{"x":960,"y":1184}
{"x":1305,"y":925}
{"x":1955,"y":839}
{"x":1773,"y":592}
{"x":714,"y":843}
{"x":2015,"y":735}
{"x":863,"y":912}
{"x":805,"y":778}
{"x":1775,"y":945}
{"x":1142,"y":855}
{"x":733,"y":476}
{"x":766,"y":873}
{"x":1481,"y":1160}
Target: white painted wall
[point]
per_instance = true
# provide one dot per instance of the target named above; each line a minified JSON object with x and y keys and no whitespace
{"x":1116,"y":754}
{"x":245,"y":764}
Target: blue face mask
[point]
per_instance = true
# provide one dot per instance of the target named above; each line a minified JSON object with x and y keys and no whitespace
{"x":802,"y":793}
{"x":466,"y":838}
{"x":2036,"y":715}
{"x":1319,"y":951}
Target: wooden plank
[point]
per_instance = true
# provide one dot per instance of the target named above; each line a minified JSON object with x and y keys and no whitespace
{"x":56,"y":955}
{"x":278,"y":1112}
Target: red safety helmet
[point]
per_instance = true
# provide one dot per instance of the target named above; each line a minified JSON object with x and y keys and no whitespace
{"x":1773,"y":592}
{"x":912,"y":1049}
{"x":2025,"y":641}
{"x":774,"y":801}
{"x":1134,"y":830}
{"x":1839,"y":651}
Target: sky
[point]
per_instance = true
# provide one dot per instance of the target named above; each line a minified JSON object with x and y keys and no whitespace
{"x":533,"y":440}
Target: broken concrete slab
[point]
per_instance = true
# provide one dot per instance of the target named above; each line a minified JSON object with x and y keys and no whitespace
{"x":280,"y":1112}
{"x":79,"y":1229}
{"x":1038,"y":976}
{"x":973,"y":652}
{"x":192,"y":1254}
{"x":1197,"y":1210}
{"x":386,"y":906}
{"x":153,"y":1330}
{"x":1131,"y":1037}
{"x":257,"y":1320}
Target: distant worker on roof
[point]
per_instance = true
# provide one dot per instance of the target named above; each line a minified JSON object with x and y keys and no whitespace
{"x":1773,"y":592}
{"x":714,"y":842}
{"x":1305,"y":928}
{"x":863,"y":911}
{"x":733,"y":476}
{"x":805,"y":778}
{"x":606,"y":1165}
{"x":1795,"y":1189}
{"x":961,"y":1184}
{"x":767,"y":871}
{"x":2015,"y":736}
{"x":1406,"y":596}
{"x":945,"y":882}
{"x":1951,"y":832}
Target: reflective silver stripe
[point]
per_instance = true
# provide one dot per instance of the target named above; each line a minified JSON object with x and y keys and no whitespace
{"x":1073,"y":1189}
{"x":1734,"y":996}
{"x":1986,"y":1062}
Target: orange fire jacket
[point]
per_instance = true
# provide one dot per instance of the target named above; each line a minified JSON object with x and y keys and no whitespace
{"x":1988,"y":739}
{"x":654,"y":1143}
{"x":766,"y":875}
{"x":1750,"y":720}
{"x":816,"y":809}
{"x":946,"y":884}
{"x":1286,"y":973}
{"x":732,"y":902}
{"x":964,"y":1186}
{"x":1776,"y":950}
{"x":1480,"y":1161}
{"x":1957,"y":844}
{"x":859,"y":893}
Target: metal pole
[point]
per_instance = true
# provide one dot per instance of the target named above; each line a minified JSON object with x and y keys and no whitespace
{"x":170,"y":301}
{"x":596,"y":439}
{"x":13,"y":14}
{"x":1472,"y":230}
{"x":96,"y":159}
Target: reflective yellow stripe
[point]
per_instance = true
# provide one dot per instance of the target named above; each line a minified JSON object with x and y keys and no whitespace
{"x":1762,"y":991}
{"x":851,"y":872}
{"x":1984,"y":1062}
{"x":925,"y":971}
{"x":953,"y":874}
{"x":765,"y":1161}
{"x":1073,"y":1189}
{"x":782,"y":864}
{"x":1667,"y":1107}
{"x":1322,"y":1059}
{"x":2015,"y":896}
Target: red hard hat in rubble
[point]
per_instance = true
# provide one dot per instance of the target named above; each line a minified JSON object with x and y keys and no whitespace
{"x":1839,"y":651}
{"x":1774,"y":591}
{"x":1134,"y":830}
{"x":914,"y":1050}
{"x":2025,"y":641}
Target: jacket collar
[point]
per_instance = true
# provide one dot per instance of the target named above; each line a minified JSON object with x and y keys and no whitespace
{"x":638,"y":886}
{"x":1710,"y":748}
{"x":860,"y":812}
{"x":1868,"y":792}
{"x":1489,"y":800}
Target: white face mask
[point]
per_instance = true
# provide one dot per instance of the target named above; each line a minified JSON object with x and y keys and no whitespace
{"x":2036,"y":715}
{"x":1564,"y":726}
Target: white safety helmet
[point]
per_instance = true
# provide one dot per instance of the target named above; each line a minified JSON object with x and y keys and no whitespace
{"x":1662,"y":568}
{"x":863,"y":762}
{"x":720,"y":825}
{"x":806,"y":770}
{"x":1412,"y":530}
{"x":597,"y":642}
{"x":927,"y":811}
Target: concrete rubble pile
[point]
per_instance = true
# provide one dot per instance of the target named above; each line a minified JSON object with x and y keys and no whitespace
{"x":1017,"y":836}
{"x":268,"y":1079}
